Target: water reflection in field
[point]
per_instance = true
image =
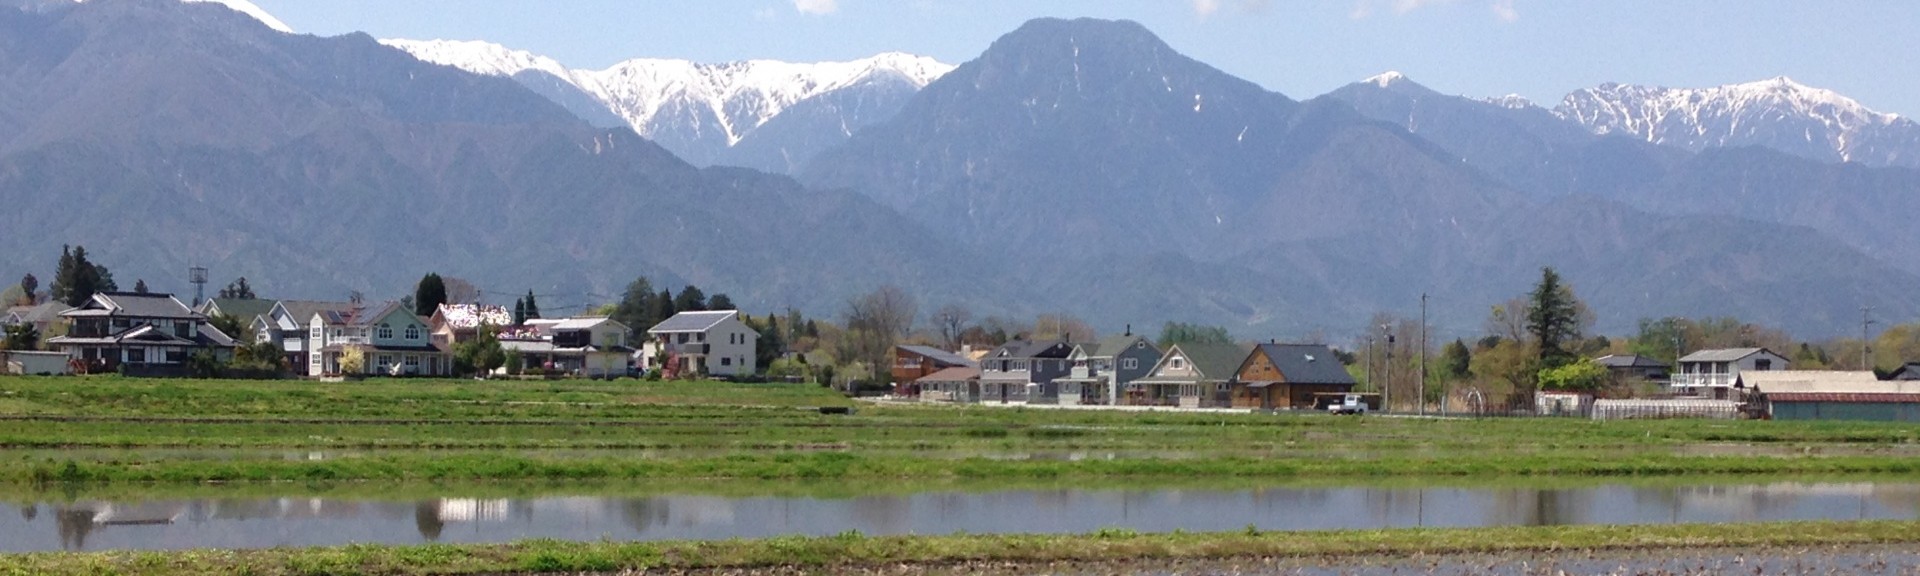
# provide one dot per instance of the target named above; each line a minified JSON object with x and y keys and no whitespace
{"x":306,"y":521}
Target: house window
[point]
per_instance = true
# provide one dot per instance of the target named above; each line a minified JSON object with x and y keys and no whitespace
{"x":176,"y":355}
{"x":136,"y":355}
{"x":386,"y":332}
{"x":185,"y":330}
{"x":1130,"y":363}
{"x":413,"y":362}
{"x":726,"y":360}
{"x":385,"y":361}
{"x":1221,"y":387}
{"x":413,"y":331}
{"x":1763,"y":364}
{"x":1177,"y":363}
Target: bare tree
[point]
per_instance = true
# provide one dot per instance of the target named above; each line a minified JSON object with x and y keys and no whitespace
{"x":875,"y":322}
{"x":460,"y":291}
{"x":1062,"y":327}
{"x":951,"y":320}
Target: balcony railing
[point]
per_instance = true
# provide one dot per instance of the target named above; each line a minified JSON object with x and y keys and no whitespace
{"x":1702,"y":380}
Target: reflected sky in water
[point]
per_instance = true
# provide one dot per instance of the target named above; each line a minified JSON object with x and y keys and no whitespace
{"x":302,"y":521}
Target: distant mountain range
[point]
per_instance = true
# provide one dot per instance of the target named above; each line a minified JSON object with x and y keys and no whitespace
{"x":1076,"y":166}
{"x":761,"y":114}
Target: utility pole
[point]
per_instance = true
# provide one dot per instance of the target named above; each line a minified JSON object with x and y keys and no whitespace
{"x":1370,"y":379}
{"x":1423,"y":358}
{"x":1386,"y":384}
{"x":1866,"y":346}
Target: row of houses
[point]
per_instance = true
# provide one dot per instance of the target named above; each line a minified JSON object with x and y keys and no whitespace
{"x":1759,"y":382}
{"x":156,"y":334}
{"x":1126,"y":370}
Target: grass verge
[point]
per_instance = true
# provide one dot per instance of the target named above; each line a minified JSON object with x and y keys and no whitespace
{"x":853,"y":550}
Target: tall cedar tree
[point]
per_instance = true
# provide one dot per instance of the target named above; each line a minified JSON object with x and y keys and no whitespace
{"x":140,"y":286}
{"x":429,"y":294}
{"x":237,"y":289}
{"x":519,"y":311}
{"x":721,"y":302}
{"x":771,"y":343}
{"x":663,"y":307}
{"x":103,"y":279}
{"x":1456,"y":360}
{"x":533,"y":308}
{"x":636,"y":306}
{"x":691,"y":299}
{"x":29,"y":284}
{"x":1553,"y":319}
{"x":76,"y":279}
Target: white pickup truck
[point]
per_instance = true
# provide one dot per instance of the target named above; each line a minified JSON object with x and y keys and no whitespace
{"x":1349,"y":404}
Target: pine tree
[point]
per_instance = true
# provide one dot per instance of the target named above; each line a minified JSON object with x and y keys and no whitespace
{"x":721,"y":302}
{"x":663,"y":306}
{"x":429,"y":294}
{"x":64,"y":275}
{"x":1553,"y":319}
{"x":76,"y":279}
{"x":691,"y":299}
{"x":533,"y":309}
{"x":237,"y":289}
{"x":103,"y":279}
{"x":636,"y":306}
{"x":140,"y":286}
{"x":1456,"y":360}
{"x":519,"y":312}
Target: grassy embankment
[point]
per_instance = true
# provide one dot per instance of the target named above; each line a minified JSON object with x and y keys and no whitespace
{"x":849,"y":551}
{"x":112,"y":430}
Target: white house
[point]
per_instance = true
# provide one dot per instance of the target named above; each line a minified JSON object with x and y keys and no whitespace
{"x":390,"y":339}
{"x":714,"y":343}
{"x":285,"y":325}
{"x":1716,"y":373}
{"x":591,"y":346}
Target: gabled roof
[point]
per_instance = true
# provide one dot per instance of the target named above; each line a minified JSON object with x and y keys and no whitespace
{"x":1307,"y":363}
{"x":692,"y":321}
{"x":956,"y":374}
{"x":363,"y":316}
{"x":1112,"y":346}
{"x":1214,"y":362}
{"x":586,"y":323}
{"x":302,"y":311}
{"x":135,"y":305}
{"x":1724,"y":355}
{"x":1016,"y":349}
{"x":1628,"y":361}
{"x":938,"y":355}
{"x":242,"y":308}
{"x":1771,"y":382}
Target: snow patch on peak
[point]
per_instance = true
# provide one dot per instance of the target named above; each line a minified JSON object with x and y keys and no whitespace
{"x":1385,"y":79}
{"x":1511,"y":101}
{"x":479,"y":57}
{"x":1777,"y":113}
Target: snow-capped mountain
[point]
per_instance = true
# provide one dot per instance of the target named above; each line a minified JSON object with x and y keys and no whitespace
{"x":710,"y":113}
{"x":1777,"y":113}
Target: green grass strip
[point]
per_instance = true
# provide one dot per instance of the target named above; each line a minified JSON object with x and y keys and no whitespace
{"x":853,"y":550}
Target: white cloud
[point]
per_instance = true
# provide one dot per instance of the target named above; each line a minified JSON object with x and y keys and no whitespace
{"x":816,"y":6}
{"x":1504,"y":10}
{"x":1206,"y":8}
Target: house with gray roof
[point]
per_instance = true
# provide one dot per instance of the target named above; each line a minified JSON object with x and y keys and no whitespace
{"x":285,"y":325}
{"x":591,"y":346}
{"x":148,"y":334}
{"x":41,"y":316}
{"x":1716,"y":373}
{"x":1023,"y":371}
{"x":246,"y":309}
{"x":1190,"y":375}
{"x":1288,"y":377}
{"x":1099,"y":371}
{"x":702,"y":343}
{"x":389,"y":338}
{"x":1634,"y":367}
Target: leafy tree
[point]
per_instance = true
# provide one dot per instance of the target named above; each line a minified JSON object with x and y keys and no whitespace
{"x":1660,"y":339}
{"x":1456,"y":361}
{"x":691,"y":299}
{"x":460,"y":290}
{"x":353,"y":360}
{"x":259,"y":356}
{"x":1512,"y":363}
{"x":772,"y":342}
{"x":513,"y":362}
{"x":233,"y":326}
{"x":533,"y":308}
{"x":237,"y":289}
{"x":1583,"y":375}
{"x":429,"y":294}
{"x":1553,"y":319}
{"x":203,"y":364}
{"x":140,"y":286}
{"x":14,"y":296}
{"x":636,"y":306}
{"x":1183,"y":333}
{"x":813,"y":330}
{"x":22,"y":336}
{"x":721,"y":302}
{"x":483,"y":354}
{"x":29,"y":284}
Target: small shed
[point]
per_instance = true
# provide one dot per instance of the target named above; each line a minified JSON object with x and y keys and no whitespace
{"x":20,"y":362}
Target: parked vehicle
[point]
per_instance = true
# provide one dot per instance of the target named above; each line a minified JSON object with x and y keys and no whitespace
{"x":1349,"y":404}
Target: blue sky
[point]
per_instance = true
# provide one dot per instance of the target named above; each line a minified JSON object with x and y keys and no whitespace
{"x":1536,"y":48}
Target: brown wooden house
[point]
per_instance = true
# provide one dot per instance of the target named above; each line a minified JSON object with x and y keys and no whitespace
{"x":911,"y":363}
{"x":1286,"y":376}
